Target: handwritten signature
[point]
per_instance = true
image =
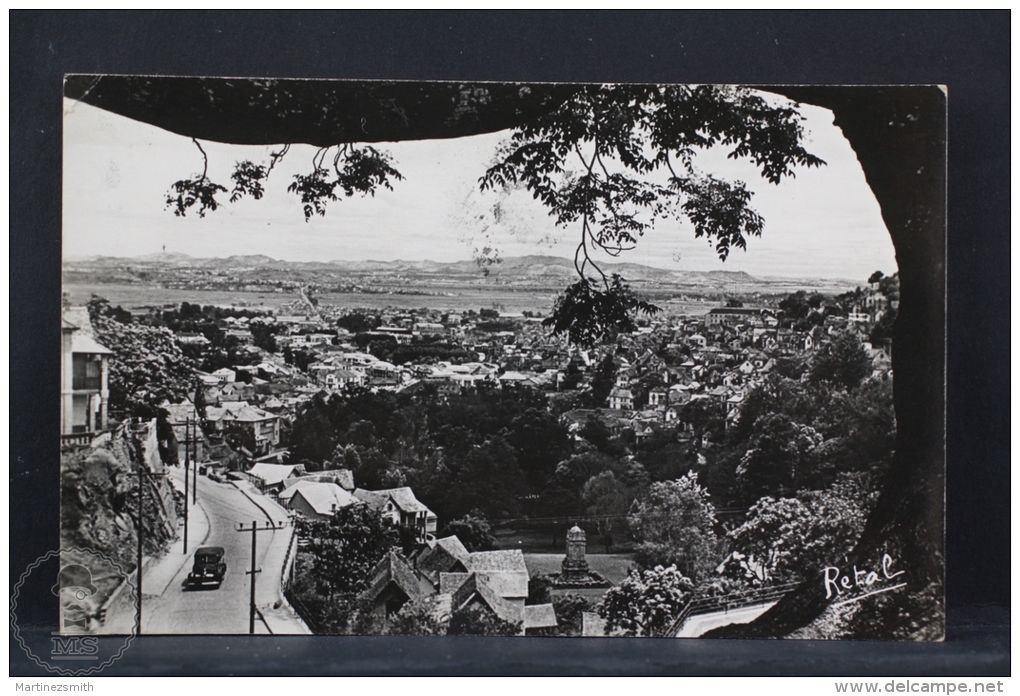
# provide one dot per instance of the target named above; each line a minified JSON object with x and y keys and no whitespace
{"x":836,"y":582}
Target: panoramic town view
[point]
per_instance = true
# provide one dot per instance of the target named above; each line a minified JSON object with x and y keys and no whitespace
{"x":422,"y":413}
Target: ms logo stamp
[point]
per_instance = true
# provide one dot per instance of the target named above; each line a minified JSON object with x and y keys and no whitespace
{"x":73,"y":611}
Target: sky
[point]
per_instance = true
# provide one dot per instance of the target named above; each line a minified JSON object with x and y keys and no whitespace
{"x":824,"y":223}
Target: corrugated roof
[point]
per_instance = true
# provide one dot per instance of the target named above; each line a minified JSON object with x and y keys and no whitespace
{"x":251,"y":414}
{"x":539,"y":616}
{"x":405,"y":500}
{"x":442,"y":556}
{"x":272,"y":474}
{"x":453,"y":546}
{"x":82,"y":343}
{"x":325,"y":498}
{"x":394,"y":569}
{"x":504,"y":571}
{"x":451,"y":582}
{"x":503,"y":561}
{"x":79,"y":317}
{"x":478,"y":587}
{"x":506,"y":585}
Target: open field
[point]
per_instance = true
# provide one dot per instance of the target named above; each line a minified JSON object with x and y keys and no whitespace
{"x":613,"y":567}
{"x":134,"y":295}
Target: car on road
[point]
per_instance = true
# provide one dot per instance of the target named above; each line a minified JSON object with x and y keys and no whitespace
{"x":209,"y":567}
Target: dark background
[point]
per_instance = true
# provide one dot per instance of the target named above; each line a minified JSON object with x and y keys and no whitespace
{"x":968,"y":51}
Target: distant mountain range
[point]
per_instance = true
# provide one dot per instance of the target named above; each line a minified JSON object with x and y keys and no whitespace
{"x":533,"y":266}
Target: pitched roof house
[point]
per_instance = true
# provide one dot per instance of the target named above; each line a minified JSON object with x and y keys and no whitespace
{"x":394,"y":583}
{"x":317,"y":500}
{"x":446,"y":555}
{"x":270,"y":477}
{"x":403,"y":509}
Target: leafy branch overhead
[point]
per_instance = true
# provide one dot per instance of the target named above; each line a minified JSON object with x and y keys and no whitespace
{"x":352,"y":170}
{"x":613,"y":159}
{"x":610,"y":159}
{"x":593,"y":159}
{"x":589,"y":313}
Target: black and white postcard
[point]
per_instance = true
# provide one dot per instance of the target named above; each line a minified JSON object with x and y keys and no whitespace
{"x":401,"y":358}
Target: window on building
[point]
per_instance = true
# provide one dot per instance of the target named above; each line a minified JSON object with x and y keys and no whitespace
{"x":87,"y":372}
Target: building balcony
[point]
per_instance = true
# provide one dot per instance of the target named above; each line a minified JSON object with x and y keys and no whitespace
{"x":79,"y":439}
{"x":87,"y":383}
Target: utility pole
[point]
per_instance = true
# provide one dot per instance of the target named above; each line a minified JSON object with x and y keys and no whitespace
{"x":187,"y":468}
{"x":140,"y":531}
{"x":269,"y":527}
{"x":194,"y":489}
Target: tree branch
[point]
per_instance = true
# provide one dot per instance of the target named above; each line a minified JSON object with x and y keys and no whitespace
{"x":205,"y":158}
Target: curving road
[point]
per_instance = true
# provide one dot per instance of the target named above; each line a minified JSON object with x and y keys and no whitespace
{"x":223,"y":610}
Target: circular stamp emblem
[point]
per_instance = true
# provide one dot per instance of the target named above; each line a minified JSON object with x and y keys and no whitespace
{"x":72,"y":611}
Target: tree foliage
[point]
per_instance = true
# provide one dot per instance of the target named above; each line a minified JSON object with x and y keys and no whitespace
{"x":794,"y":538}
{"x":353,"y":170}
{"x":474,"y":532}
{"x":607,"y":500}
{"x":842,"y":361}
{"x":646,"y":603}
{"x":475,"y":620}
{"x":613,"y":159}
{"x":568,"y":609}
{"x":346,"y":547}
{"x":778,"y":454}
{"x":147,"y":366}
{"x":590,"y":314}
{"x":675,"y":525}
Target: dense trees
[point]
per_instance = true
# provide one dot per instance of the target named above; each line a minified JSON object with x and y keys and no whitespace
{"x":147,"y":365}
{"x":646,"y":603}
{"x":346,"y":547}
{"x":675,"y":525}
{"x":841,"y":361}
{"x":777,"y":455}
{"x":607,"y":500}
{"x":483,"y":451}
{"x":794,"y":538}
{"x":473,"y":531}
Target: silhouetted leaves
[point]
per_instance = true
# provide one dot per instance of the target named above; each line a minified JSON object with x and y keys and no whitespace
{"x":363,"y":170}
{"x":590,"y":315}
{"x":186,"y":193}
{"x":248,"y":179}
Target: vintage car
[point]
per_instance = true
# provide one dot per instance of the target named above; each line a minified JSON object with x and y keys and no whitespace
{"x":209,"y":567}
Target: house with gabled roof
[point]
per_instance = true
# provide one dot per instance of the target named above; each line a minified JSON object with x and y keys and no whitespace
{"x":271,"y":477}
{"x":504,"y":570}
{"x":446,"y":555}
{"x":467,"y":590}
{"x":621,"y":399}
{"x":498,"y":581}
{"x":316,"y":499}
{"x":394,"y":582}
{"x":404,"y":510}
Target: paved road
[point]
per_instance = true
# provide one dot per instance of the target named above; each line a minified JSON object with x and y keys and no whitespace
{"x":701,"y":624}
{"x":224,"y":610}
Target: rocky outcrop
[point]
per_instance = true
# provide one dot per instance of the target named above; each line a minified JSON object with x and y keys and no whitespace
{"x":99,"y":495}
